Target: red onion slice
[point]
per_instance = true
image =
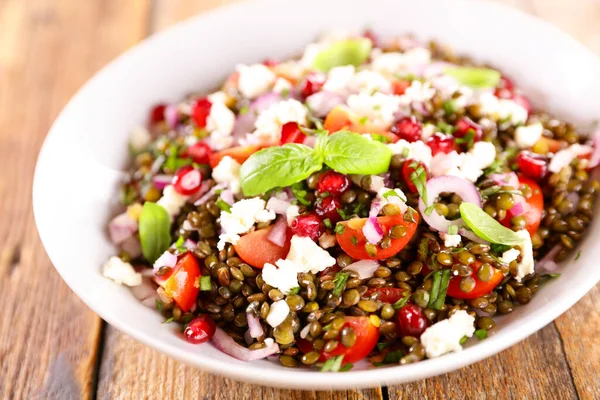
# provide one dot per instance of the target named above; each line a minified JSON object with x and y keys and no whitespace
{"x":365,"y":268}
{"x":254,"y":326}
{"x":244,"y":123}
{"x":227,"y":345}
{"x":146,"y":292}
{"x":167,"y":259}
{"x":376,"y":206}
{"x":227,"y":196}
{"x":595,"y":157}
{"x":132,"y":246}
{"x":471,"y":236}
{"x":171,"y":115}
{"x":121,"y":228}
{"x":162,"y":180}
{"x":277,"y":205}
{"x":449,"y":184}
{"x":322,"y":102}
{"x":278,"y":234}
{"x":547,"y":263}
{"x":190,"y":244}
{"x":208,"y":195}
{"x":372,"y":230}
{"x":509,"y":178}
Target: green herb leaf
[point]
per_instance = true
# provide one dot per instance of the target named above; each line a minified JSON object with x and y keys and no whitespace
{"x":347,"y":367}
{"x":439,"y":287}
{"x":205,"y":284}
{"x":179,"y":245}
{"x":463,"y":340}
{"x":403,"y":301}
{"x":499,"y":248}
{"x":340,"y":282}
{"x":342,"y":214}
{"x":354,"y":240}
{"x":223,"y":205}
{"x":333,"y":364}
{"x":345,"y":52}
{"x":381,"y":346}
{"x":351,"y":153}
{"x":487,"y":227}
{"x":278,"y":166}
{"x":127,"y":195}
{"x":429,"y":210}
{"x":295,"y":290}
{"x":467,"y":140}
{"x":340,"y":229}
{"x":155,"y":231}
{"x":244,"y":110}
{"x":449,"y":107}
{"x":481,"y":334}
{"x":445,"y":128}
{"x":168,"y":320}
{"x":327,"y":223}
{"x":159,"y":305}
{"x":419,"y":178}
{"x":478,"y":78}
{"x":300,"y":193}
{"x":393,"y":193}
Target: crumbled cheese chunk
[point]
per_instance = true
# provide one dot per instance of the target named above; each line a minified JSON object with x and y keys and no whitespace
{"x":241,"y":218}
{"x":416,"y":150}
{"x":228,"y":172}
{"x":338,"y":79}
{"x":418,"y":92}
{"x":308,"y":256}
{"x":292,"y":212}
{"x":218,"y":97}
{"x":378,"y":108}
{"x":172,"y":201}
{"x":484,"y":153}
{"x":269,"y":122}
{"x":278,"y":312}
{"x":502,"y":109}
{"x":527,"y":264}
{"x":451,"y":240}
{"x":255,"y":80}
{"x":121,"y":272}
{"x":369,"y":82}
{"x":220,"y":122}
{"x":139,"y":138}
{"x":526,"y":136}
{"x":428,"y":131}
{"x":445,"y":336}
{"x":446,"y":164}
{"x":284,"y":276}
{"x":465,"y":165}
{"x":566,"y":156}
{"x":282,"y":85}
{"x":509,"y":256}
{"x":394,"y":62}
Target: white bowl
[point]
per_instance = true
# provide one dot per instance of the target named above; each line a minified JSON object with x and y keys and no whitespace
{"x":78,"y":170}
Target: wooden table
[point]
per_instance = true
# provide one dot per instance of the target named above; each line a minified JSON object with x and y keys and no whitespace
{"x":53,"y":347}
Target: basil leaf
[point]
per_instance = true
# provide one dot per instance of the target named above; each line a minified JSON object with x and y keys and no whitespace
{"x":345,"y":52}
{"x":351,"y":153}
{"x":278,"y":166}
{"x":478,"y":78}
{"x":487,"y":227}
{"x":155,"y":231}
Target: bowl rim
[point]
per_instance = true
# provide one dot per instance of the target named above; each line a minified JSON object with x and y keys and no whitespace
{"x":291,"y":378}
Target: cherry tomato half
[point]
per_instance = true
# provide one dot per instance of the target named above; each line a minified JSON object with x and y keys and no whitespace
{"x":239,"y":154}
{"x":256,"y":249}
{"x":386,"y":294}
{"x":534,"y":207}
{"x":180,"y":282}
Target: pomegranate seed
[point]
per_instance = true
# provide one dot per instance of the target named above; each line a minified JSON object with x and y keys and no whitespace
{"x":157,"y":114}
{"x":505,"y":88}
{"x":400,"y":86}
{"x":532,"y":165}
{"x":465,"y":125}
{"x":523,"y":102}
{"x":441,"y":143}
{"x":328,"y":207}
{"x":200,"y":153}
{"x":291,"y":133}
{"x":408,"y":168}
{"x":408,"y":128}
{"x":312,"y":84}
{"x":411,"y":321}
{"x":269,"y":62}
{"x":309,"y":225}
{"x":333,"y":182}
{"x":200,"y":111}
{"x":201,"y":329}
{"x":187,"y":180}
{"x":369,"y":34}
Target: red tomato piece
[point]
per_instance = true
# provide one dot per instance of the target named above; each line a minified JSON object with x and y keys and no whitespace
{"x":291,"y":133}
{"x":400,"y":86}
{"x":534,"y":207}
{"x":367,"y":336}
{"x":200,"y":111}
{"x":158,"y":113}
{"x":386,"y":294}
{"x":180,"y":282}
{"x":533,"y":165}
{"x":239,"y":154}
{"x":256,"y":249}
{"x":408,"y":168}
{"x":353,"y":240}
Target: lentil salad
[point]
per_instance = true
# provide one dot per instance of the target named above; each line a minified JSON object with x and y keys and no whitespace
{"x":367,"y":200}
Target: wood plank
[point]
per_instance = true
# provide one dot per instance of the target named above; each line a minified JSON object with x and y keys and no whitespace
{"x":47,"y":50}
{"x":579,"y":329}
{"x":533,"y":369}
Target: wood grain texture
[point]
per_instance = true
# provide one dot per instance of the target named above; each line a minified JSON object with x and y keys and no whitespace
{"x":48,"y":49}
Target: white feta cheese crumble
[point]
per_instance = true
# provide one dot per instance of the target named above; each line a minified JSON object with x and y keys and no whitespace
{"x":394,"y":62}
{"x":282,"y":85}
{"x":527,"y":264}
{"x":465,"y":165}
{"x":338,"y":79}
{"x":509,"y":256}
{"x":369,"y":82}
{"x":228,"y":172}
{"x":446,"y":164}
{"x":428,"y":131}
{"x":526,"y":136}
{"x":219,"y":123}
{"x":484,"y":154}
{"x":292,"y":212}
{"x":565,"y":156}
{"x":172,"y":201}
{"x":416,"y":150}
{"x":379,"y":108}
{"x":502,"y":109}
{"x":139,"y":138}
{"x":418,"y":92}
{"x":255,"y":80}
{"x":218,"y":97}
{"x":269,"y":122}
{"x":283,"y":277}
{"x":121,"y":272}
{"x":278,"y":312}
{"x":241,"y":217}
{"x":451,"y":240}
{"x":445,"y":336}
{"x":308,"y":256}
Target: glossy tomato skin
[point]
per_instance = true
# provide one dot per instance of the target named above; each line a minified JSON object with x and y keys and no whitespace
{"x":533,"y":165}
{"x":239,"y":154}
{"x":386,"y":294}
{"x":367,"y":336}
{"x":291,"y":133}
{"x":534,"y":207}
{"x":355,"y":248}
{"x":481,"y":288}
{"x":408,"y":168}
{"x":180,"y":282}
{"x":256,"y":249}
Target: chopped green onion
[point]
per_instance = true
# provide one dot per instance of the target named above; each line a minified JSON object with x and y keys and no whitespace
{"x":223,"y":205}
{"x":340,"y":282}
{"x":179,"y":245}
{"x":481,"y":334}
{"x":333,"y":364}
{"x":295,"y":290}
{"x":439,"y":287}
{"x":205,"y":284}
{"x":402,"y":302}
{"x":392,"y":192}
{"x":327,"y":223}
{"x":429,"y":210}
{"x":452,"y":229}
{"x":354,"y":240}
{"x":463,"y":340}
{"x":419,"y":178}
{"x":339,"y":229}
